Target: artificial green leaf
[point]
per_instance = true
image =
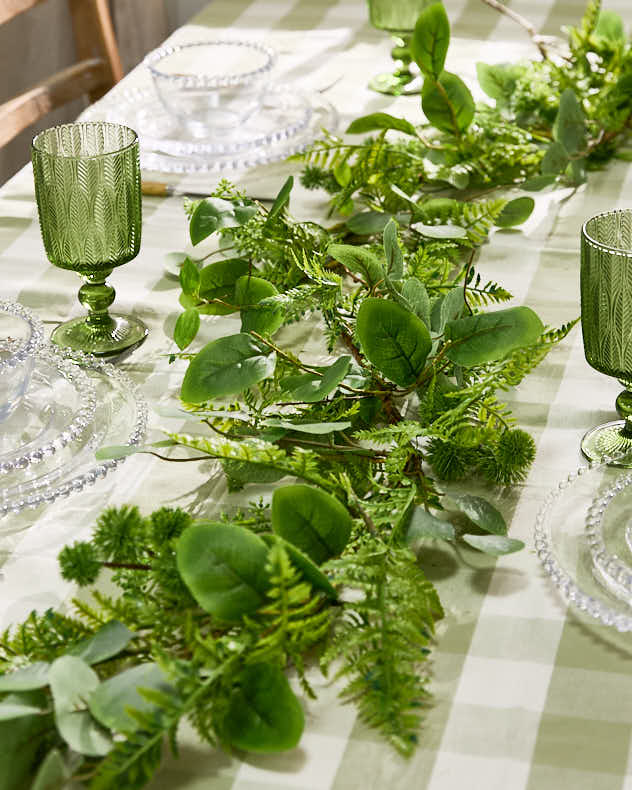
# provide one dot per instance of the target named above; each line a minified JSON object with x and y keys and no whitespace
{"x":515,"y":212}
{"x":263,"y":713}
{"x":368,"y":223}
{"x":53,"y":773}
{"x":425,"y":525}
{"x":20,"y":740}
{"x":311,"y":519}
{"x":414,"y":291}
{"x":310,"y":571}
{"x":577,"y":172}
{"x":495,"y":545}
{"x":224,"y":567}
{"x":380,"y":120}
{"x":343,"y":173}
{"x":555,"y":160}
{"x":217,"y":281}
{"x":537,"y":183}
{"x":610,"y":27}
{"x":205,"y":220}
{"x":109,"y":701}
{"x":440,"y":231}
{"x":186,"y":327}
{"x":262,"y":319}
{"x":430,"y":40}
{"x":15,"y":710}
{"x":394,"y":256}
{"x":393,"y":339}
{"x":244,"y":213}
{"x":310,"y":388}
{"x":106,"y":643}
{"x":569,"y":128}
{"x":317,"y":428}
{"x":226,"y":366}
{"x":189,"y":277}
{"x":486,"y":337}
{"x":281,"y":201}
{"x":32,"y":676}
{"x":123,"y":450}
{"x":448,"y":104}
{"x":481,"y":512}
{"x":241,"y":473}
{"x":498,"y":81}
{"x":71,"y":683}
{"x":446,"y":308}
{"x":359,"y":261}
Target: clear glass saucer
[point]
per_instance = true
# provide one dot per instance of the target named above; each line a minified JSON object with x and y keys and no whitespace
{"x":119,"y":417}
{"x":288,"y":122}
{"x":578,"y":535}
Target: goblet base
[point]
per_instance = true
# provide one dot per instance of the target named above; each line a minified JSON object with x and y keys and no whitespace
{"x":394,"y":84}
{"x":608,"y":440}
{"x":121,"y":334}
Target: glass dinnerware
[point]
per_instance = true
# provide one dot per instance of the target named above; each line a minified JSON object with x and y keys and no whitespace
{"x":21,"y":334}
{"x":398,"y":17}
{"x":606,"y":309}
{"x":211,"y":86}
{"x":87,"y":185}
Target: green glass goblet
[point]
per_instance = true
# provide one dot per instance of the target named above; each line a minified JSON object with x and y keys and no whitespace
{"x":87,"y":185}
{"x":398,"y":17}
{"x":606,"y":307}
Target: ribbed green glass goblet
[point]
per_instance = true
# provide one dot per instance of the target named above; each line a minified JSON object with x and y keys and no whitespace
{"x":398,"y":17}
{"x":606,"y":302}
{"x":87,"y":185}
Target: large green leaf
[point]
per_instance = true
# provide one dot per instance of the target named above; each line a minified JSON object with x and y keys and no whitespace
{"x":448,"y":103}
{"x":368,"y":223}
{"x":430,"y":40}
{"x":358,"y":260}
{"x":263,"y":713}
{"x":393,"y":339}
{"x":481,"y":512}
{"x":209,"y":215}
{"x":109,"y":701}
{"x":265,"y":320}
{"x":108,"y":642}
{"x":380,"y":120}
{"x":310,"y":388}
{"x":226,"y":366}
{"x":310,"y":571}
{"x":486,"y":337}
{"x":311,"y":519}
{"x":217,"y":281}
{"x":224,"y":567}
{"x":569,"y":128}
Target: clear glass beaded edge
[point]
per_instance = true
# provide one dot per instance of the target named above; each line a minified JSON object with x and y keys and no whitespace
{"x":36,"y":340}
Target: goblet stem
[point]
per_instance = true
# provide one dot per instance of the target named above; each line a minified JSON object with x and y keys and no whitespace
{"x":398,"y":81}
{"x":96,"y":296}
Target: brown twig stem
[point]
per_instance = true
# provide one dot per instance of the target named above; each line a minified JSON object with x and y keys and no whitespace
{"x":519,"y":19}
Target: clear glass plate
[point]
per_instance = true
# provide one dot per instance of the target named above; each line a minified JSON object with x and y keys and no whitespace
{"x":120,"y":417}
{"x":579,"y":532}
{"x":288,"y":122}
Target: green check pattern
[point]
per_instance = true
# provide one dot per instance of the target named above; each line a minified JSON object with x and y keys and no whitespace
{"x":527,"y":695}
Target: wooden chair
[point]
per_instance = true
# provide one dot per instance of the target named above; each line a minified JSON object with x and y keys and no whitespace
{"x":97,"y":70}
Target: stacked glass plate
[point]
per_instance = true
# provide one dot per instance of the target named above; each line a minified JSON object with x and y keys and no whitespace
{"x":55,"y":411}
{"x":583,"y":537}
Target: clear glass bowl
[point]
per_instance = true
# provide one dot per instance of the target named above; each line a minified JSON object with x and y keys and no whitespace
{"x":211,"y":85}
{"x":21,"y":335}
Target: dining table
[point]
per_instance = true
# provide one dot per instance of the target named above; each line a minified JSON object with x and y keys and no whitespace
{"x":528,"y":693}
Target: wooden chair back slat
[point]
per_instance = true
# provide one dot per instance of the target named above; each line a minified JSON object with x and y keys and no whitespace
{"x":11,"y":8}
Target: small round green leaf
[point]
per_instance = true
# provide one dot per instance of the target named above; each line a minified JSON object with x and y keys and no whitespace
{"x":495,"y":545}
{"x":481,"y":512}
{"x":223,"y":566}
{"x":108,"y":642}
{"x":311,"y":519}
{"x":263,"y":714}
{"x":393,"y":339}
{"x":226,"y":366}
{"x":515,"y":212}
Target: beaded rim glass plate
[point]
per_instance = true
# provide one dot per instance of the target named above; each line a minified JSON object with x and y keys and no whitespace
{"x":565,"y":542}
{"x":120,"y":417}
{"x":293,"y":120}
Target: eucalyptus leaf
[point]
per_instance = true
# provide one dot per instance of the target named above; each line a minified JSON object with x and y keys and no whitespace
{"x":481,"y":512}
{"x":224,"y":567}
{"x":106,"y":643}
{"x":380,"y":120}
{"x":186,"y":327}
{"x":316,"y":428}
{"x":425,"y":525}
{"x":537,"y":183}
{"x":440,"y":231}
{"x":396,"y":341}
{"x":498,"y":80}
{"x":554,"y":160}
{"x":310,"y":571}
{"x":281,"y":201}
{"x":368,"y":223}
{"x":20,"y":741}
{"x":53,"y":773}
{"x":243,"y":214}
{"x":515,"y":212}
{"x":311,"y":388}
{"x":32,"y":676}
{"x":569,"y":128}
{"x":495,"y":545}
{"x":15,"y":710}
{"x":311,"y":519}
{"x":241,"y":473}
{"x":486,"y":337}
{"x":218,"y":280}
{"x":430,"y":40}
{"x":263,"y":714}
{"x":226,"y":366}
{"x":205,"y":220}
{"x":358,"y":260}
{"x":262,"y":319}
{"x":448,"y":103}
{"x":189,"y":277}
{"x":394,"y":256}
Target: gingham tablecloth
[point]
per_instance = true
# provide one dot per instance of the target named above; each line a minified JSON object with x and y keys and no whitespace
{"x":526,"y":695}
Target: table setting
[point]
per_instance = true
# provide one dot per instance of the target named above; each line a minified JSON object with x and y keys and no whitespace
{"x":333,"y":490}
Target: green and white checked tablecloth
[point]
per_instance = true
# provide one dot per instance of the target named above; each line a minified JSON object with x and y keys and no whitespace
{"x":526,"y":695}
